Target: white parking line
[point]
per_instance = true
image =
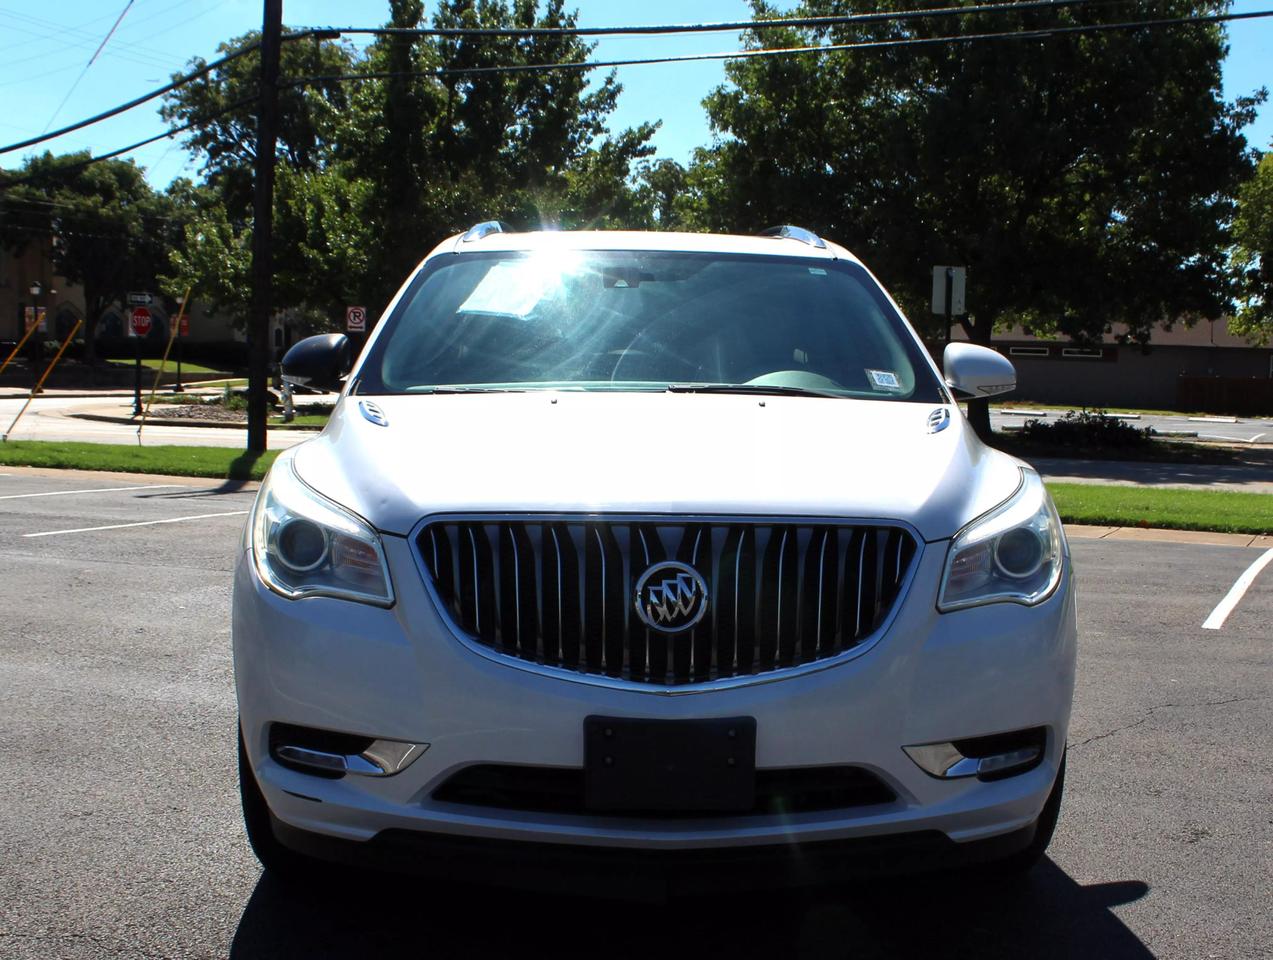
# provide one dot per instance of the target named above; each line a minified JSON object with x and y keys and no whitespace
{"x":1236,"y":592}
{"x":143,"y":523}
{"x":64,"y":493}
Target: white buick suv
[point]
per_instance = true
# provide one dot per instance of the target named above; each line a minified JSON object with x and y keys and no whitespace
{"x":650,"y":559}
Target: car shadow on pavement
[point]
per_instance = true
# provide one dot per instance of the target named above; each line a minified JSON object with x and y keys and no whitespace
{"x":1045,"y":915}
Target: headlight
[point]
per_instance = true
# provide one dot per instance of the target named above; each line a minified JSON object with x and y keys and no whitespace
{"x":305,"y":545}
{"x":1012,"y":554}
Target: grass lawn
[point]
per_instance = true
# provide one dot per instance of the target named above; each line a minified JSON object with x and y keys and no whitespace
{"x":152,"y":363}
{"x":217,"y":462}
{"x":1124,"y":506}
{"x":301,"y":420}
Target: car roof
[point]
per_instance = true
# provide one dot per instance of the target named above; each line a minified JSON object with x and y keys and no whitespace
{"x":667,"y":241}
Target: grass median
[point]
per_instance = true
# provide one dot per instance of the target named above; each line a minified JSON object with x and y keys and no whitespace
{"x":221,"y":463}
{"x":1168,"y":507}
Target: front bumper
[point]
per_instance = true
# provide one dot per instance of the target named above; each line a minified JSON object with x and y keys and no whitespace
{"x":401,"y":674}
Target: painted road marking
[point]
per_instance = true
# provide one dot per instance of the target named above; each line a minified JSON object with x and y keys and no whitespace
{"x":65,"y":493}
{"x":147,"y":523}
{"x":1236,"y":592}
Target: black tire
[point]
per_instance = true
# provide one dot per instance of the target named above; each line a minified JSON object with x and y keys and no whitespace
{"x":278,"y":861}
{"x":1025,"y":860}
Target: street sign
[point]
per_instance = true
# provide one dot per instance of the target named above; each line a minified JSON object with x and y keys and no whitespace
{"x":356,"y":319}
{"x":183,"y":328}
{"x":36,"y":317}
{"x":140,"y":299}
{"x":958,"y":279}
{"x":139,"y":322}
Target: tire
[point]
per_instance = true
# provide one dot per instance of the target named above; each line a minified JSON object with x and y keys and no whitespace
{"x":278,"y":861}
{"x":1025,"y":860}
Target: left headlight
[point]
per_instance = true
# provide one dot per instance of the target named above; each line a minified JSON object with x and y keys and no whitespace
{"x":1014,"y":553}
{"x":304,"y":545}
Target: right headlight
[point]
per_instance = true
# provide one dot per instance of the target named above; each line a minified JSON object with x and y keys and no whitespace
{"x":1012,"y":554}
{"x":305,"y":545}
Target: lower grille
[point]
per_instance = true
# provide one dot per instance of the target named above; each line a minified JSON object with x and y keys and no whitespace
{"x":561,"y":790}
{"x":561,"y":591}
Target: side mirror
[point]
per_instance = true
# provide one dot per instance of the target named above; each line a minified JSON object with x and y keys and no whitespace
{"x":977,"y":372}
{"x":319,"y":363}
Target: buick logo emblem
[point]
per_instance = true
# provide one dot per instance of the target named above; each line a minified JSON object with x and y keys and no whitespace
{"x":671,"y":597}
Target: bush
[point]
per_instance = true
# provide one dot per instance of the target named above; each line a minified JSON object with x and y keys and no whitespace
{"x":1086,"y":428}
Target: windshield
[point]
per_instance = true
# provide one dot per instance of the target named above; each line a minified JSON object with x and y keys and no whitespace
{"x":624,"y":321}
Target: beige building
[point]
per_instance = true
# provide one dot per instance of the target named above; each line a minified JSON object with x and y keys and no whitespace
{"x":1203,"y":367}
{"x":28,"y":282}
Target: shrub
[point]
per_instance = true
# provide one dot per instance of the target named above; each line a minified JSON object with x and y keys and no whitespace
{"x":1086,"y":428}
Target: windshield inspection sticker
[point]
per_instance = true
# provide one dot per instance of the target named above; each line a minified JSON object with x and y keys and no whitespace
{"x":884,"y":380}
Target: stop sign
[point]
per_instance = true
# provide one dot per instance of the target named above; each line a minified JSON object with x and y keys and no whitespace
{"x":141,"y":321}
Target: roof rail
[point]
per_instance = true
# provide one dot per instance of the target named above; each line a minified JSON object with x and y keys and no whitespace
{"x":483,"y":229}
{"x":788,"y":232}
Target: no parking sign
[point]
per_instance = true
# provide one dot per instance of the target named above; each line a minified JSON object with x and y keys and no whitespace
{"x":356,"y":319}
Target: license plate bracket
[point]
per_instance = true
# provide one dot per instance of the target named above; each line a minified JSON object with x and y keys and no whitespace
{"x":670,"y":766}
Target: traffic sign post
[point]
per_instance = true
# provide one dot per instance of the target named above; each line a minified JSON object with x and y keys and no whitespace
{"x":139,"y":323}
{"x":183,"y":331}
{"x":949,"y":293}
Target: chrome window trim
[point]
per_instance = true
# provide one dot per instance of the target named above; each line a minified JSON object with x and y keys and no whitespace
{"x":615,"y":683}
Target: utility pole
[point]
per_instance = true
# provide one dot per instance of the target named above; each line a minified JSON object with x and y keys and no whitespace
{"x":262,"y":227}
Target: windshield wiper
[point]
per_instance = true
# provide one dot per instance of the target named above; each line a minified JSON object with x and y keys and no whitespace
{"x":764,"y":389}
{"x":443,"y":390}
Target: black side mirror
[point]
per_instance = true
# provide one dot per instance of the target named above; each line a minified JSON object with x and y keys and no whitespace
{"x":319,"y":363}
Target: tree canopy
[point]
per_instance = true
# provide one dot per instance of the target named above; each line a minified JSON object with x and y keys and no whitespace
{"x":1253,"y":256}
{"x":1084,"y":179}
{"x":373,"y":171}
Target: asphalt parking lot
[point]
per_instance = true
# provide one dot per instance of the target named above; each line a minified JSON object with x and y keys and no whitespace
{"x":119,"y":819}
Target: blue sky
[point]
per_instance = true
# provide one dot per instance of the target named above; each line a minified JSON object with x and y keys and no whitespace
{"x":44,"y":46}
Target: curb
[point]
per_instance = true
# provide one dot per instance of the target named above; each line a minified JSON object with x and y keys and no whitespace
{"x":1081,"y":531}
{"x":169,"y":422}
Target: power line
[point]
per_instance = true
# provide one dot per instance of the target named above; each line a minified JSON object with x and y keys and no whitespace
{"x":332,"y":33}
{"x":109,"y":33}
{"x":1041,"y":33}
{"x":79,"y":164}
{"x":768,"y":52}
{"x":177,"y":83}
{"x":717,"y":27}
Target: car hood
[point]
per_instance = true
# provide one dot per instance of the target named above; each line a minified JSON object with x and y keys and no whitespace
{"x":654,"y":453}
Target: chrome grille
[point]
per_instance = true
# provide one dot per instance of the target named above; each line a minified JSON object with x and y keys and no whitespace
{"x":558,"y":591}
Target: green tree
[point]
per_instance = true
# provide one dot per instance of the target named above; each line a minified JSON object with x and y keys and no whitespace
{"x":373,"y":172}
{"x":1253,"y":256}
{"x":107,"y":229}
{"x":223,"y":103}
{"x":1085,"y":179}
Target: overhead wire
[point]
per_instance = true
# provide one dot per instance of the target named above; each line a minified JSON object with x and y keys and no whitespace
{"x":1039,"y":33}
{"x":177,"y":83}
{"x":79,"y":164}
{"x":135,"y":102}
{"x":101,"y":46}
{"x":730,"y":26}
{"x":767,"y":52}
{"x":327,"y":32}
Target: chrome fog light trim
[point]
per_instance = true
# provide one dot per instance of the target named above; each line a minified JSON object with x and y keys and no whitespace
{"x":382,"y":758}
{"x":942,"y":760}
{"x":946,"y":762}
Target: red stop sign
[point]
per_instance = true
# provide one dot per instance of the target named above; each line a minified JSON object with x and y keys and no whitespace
{"x":141,"y":321}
